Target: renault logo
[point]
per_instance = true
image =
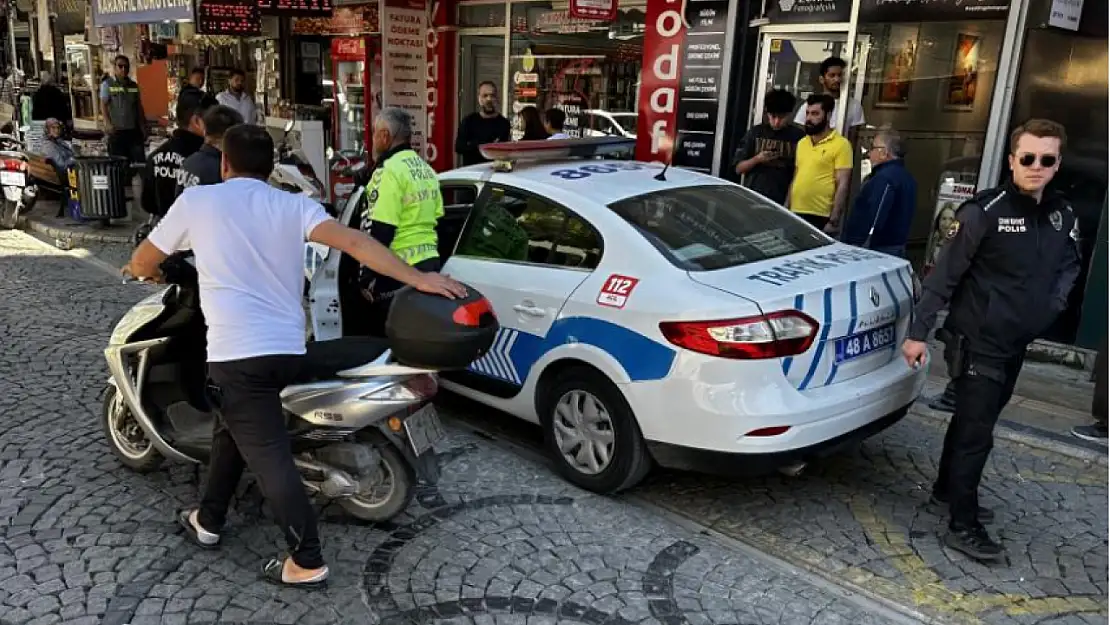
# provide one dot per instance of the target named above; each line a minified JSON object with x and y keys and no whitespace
{"x":875,"y":297}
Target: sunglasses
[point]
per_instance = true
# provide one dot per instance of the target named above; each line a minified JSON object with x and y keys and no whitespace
{"x":1047,"y":160}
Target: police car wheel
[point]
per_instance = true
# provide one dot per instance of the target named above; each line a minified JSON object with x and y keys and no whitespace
{"x":592,"y":433}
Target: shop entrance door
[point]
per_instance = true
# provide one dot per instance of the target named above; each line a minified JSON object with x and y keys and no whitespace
{"x":483,"y":58}
{"x":792,"y":61}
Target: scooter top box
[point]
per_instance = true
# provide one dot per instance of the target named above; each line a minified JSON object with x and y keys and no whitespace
{"x":434,"y":332}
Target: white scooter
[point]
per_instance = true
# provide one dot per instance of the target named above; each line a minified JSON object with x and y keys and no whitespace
{"x":18,"y":196}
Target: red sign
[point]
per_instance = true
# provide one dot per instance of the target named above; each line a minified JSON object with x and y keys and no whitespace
{"x":439,"y":148}
{"x":616,"y":291}
{"x":664,"y":37}
{"x":348,"y":49}
{"x":228,"y":17}
{"x":605,"y":10}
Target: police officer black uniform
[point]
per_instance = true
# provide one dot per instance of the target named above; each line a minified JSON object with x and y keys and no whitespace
{"x":164,"y":164}
{"x":1010,"y":263}
{"x":203,"y":168}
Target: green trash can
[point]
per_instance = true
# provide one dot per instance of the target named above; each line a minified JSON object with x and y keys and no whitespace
{"x":102,"y":183}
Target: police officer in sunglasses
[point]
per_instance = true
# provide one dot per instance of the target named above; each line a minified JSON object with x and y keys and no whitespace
{"x":1005,"y":274}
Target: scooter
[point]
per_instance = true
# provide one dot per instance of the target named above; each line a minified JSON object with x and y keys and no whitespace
{"x":292,"y":171}
{"x":18,"y":196}
{"x":362,"y":426}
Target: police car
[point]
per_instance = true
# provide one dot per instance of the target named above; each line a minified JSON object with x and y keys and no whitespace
{"x":659,"y":315}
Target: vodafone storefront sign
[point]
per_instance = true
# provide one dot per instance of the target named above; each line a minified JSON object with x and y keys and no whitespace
{"x":664,"y":38}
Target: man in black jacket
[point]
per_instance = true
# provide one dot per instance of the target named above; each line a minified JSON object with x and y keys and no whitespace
{"x":193,"y":93}
{"x":483,"y":126}
{"x":160,"y":175}
{"x":203,"y":167}
{"x":1011,"y":260}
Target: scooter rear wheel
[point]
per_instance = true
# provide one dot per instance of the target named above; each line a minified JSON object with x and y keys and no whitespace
{"x":385,"y":495}
{"x":125,"y":437}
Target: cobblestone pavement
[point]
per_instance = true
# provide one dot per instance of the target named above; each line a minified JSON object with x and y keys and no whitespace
{"x":499,"y":540}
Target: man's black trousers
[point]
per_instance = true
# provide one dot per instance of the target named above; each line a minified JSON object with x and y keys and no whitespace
{"x":982,"y":390}
{"x":250,"y":431}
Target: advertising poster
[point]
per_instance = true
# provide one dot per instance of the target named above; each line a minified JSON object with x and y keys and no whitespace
{"x":700,"y":85}
{"x":404,"y":62}
{"x":949,"y":197}
{"x":681,"y":82}
{"x":964,"y":79}
{"x":898,"y":66}
{"x":115,"y":12}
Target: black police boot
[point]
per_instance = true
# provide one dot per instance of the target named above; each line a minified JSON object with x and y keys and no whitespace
{"x":938,"y":505}
{"x":946,"y":401}
{"x":974,"y":542}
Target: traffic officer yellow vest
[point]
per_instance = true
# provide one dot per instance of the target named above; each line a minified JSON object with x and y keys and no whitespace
{"x":404,"y":193}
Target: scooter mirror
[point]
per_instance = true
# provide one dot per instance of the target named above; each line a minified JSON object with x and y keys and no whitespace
{"x":289,"y":125}
{"x":329,"y":153}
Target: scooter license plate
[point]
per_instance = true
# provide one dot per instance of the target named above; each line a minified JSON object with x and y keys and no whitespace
{"x":13,"y":179}
{"x":424,"y":429}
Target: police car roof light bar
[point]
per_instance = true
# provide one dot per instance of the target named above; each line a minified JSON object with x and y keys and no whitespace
{"x":520,"y":152}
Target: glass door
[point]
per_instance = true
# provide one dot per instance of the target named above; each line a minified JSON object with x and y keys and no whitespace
{"x":792,"y":61}
{"x":350,"y":102}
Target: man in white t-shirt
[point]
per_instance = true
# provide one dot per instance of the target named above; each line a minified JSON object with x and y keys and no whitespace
{"x":832,"y":76}
{"x":248,"y":241}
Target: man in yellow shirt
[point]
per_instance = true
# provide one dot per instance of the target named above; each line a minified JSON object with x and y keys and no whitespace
{"x":822,"y":169}
{"x":403,"y":206}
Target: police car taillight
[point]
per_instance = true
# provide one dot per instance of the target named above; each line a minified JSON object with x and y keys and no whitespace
{"x":774,"y":335}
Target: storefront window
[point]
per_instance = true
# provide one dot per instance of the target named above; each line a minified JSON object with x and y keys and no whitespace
{"x":932,"y":83}
{"x":589,"y":69}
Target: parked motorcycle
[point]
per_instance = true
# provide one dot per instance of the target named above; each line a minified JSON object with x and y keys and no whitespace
{"x":362,"y":425}
{"x":18,"y":196}
{"x":292,"y":171}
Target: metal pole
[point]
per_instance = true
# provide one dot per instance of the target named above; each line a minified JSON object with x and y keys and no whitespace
{"x":9,"y":8}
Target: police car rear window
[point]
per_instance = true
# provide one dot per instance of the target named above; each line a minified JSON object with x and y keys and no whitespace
{"x":703,"y":228}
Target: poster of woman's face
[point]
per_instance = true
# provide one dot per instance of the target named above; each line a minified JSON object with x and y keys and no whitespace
{"x":942,"y":223}
{"x":963,"y":81}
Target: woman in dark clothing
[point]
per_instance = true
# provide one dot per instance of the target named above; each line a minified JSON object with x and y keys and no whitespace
{"x":533,"y":124}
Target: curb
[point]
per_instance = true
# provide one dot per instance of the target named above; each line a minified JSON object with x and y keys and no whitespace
{"x":1030,"y":436}
{"x":69,"y":235}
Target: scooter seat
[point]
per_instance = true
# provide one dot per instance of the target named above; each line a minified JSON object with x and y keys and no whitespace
{"x":324,"y":359}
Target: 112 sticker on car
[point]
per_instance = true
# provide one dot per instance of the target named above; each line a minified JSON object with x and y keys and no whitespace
{"x":616,"y":290}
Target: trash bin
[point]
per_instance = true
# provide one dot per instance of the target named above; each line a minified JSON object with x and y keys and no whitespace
{"x":102,"y":183}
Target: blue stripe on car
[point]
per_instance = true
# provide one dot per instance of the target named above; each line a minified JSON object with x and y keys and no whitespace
{"x":890,"y":290}
{"x":799,"y":305}
{"x":512,"y":360}
{"x":853,"y":305}
{"x":821,"y":344}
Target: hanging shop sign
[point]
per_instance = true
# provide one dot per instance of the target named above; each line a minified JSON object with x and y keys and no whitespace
{"x":681,"y":83}
{"x":295,"y":7}
{"x":593,"y":9}
{"x":116,"y":12}
{"x":404,"y":62}
{"x":228,"y":17}
{"x":345,"y":21}
{"x":438,"y":149}
{"x":809,"y":11}
{"x":932,"y":10}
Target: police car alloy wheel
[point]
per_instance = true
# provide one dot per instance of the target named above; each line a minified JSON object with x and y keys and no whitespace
{"x":592,"y":433}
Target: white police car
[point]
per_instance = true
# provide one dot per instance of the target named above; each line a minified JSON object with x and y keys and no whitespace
{"x":662,"y":316}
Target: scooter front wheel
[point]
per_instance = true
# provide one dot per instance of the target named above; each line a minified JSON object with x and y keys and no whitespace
{"x":384,"y":493}
{"x":127,"y":440}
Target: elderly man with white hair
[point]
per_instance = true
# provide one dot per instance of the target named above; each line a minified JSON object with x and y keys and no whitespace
{"x":402,"y":209}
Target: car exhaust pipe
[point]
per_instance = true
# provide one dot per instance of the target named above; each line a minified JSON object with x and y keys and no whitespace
{"x":793,"y":470}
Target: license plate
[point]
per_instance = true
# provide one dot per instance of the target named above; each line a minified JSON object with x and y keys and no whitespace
{"x":12,"y":179}
{"x":863,"y":343}
{"x":424,"y":429}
